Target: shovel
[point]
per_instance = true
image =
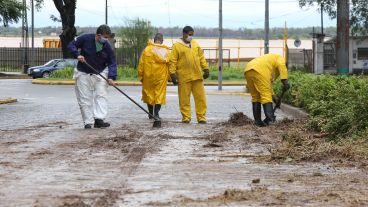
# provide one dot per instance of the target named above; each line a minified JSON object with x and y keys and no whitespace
{"x":156,"y":122}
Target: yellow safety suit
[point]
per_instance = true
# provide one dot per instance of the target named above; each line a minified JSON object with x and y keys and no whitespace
{"x":153,"y":72}
{"x":260,"y":74}
{"x":188,"y":63}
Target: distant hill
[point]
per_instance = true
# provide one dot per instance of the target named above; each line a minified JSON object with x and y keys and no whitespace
{"x":242,"y":33}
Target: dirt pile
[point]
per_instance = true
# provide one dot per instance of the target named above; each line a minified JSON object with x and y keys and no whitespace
{"x":239,"y":119}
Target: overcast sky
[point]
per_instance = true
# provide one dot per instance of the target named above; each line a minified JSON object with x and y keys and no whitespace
{"x":236,"y":13}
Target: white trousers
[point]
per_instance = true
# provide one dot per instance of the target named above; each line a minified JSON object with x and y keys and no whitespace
{"x":91,"y":92}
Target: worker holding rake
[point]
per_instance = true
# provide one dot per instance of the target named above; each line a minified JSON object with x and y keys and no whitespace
{"x":96,"y":70}
{"x":260,"y":73}
{"x":153,"y":72}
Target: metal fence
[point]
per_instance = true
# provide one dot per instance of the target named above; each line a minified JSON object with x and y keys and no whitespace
{"x":301,"y":57}
{"x":14,"y":59}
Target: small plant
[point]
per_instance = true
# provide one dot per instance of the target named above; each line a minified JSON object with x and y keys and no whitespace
{"x":66,"y":73}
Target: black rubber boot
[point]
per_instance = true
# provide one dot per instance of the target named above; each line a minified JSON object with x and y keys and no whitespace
{"x":88,"y":126}
{"x":99,"y":123}
{"x":270,"y":116}
{"x":257,"y":114}
{"x":150,"y":110}
{"x":157,"y":109}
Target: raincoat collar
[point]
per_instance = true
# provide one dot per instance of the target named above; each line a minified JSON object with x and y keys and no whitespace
{"x":181,"y":41}
{"x":150,"y":43}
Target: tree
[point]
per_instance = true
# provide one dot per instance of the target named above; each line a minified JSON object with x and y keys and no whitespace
{"x":134,"y":37}
{"x":358,"y":21}
{"x":10,"y":11}
{"x":66,"y":10}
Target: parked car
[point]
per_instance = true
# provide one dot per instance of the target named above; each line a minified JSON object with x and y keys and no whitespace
{"x":44,"y":71}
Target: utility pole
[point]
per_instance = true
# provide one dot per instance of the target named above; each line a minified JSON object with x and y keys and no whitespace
{"x":322,"y":18}
{"x":220,"y":47}
{"x":267,"y":27}
{"x":106,"y":13}
{"x":342,"y":39}
{"x":25,"y":44}
{"x":32,"y":30}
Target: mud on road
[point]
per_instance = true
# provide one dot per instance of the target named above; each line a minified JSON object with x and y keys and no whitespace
{"x":218,"y":164}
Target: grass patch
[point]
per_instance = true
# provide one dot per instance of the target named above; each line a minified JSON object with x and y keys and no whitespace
{"x":232,"y":73}
{"x":130,"y":74}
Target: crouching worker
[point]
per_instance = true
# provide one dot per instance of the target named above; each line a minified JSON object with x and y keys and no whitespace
{"x":153,"y":72}
{"x":90,"y":88}
{"x":260,"y":74}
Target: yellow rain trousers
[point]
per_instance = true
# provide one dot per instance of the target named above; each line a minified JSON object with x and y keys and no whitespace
{"x":260,"y":74}
{"x":188,"y":62}
{"x":153,"y":72}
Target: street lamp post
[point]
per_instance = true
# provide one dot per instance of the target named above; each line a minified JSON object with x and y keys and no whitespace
{"x":32,"y":31}
{"x":106,"y":13}
{"x":220,"y":47}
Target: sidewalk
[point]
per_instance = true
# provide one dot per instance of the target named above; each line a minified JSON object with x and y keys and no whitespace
{"x":13,"y":75}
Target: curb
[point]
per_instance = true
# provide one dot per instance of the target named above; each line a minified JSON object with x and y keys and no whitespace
{"x":228,"y":93}
{"x":11,"y":76}
{"x":121,"y":83}
{"x":8,"y":100}
{"x":294,"y":111}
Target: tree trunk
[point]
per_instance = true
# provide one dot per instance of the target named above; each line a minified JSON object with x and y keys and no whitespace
{"x":342,"y":39}
{"x":66,"y":9}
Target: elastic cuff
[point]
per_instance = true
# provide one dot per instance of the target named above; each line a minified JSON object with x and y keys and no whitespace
{"x":112,"y":77}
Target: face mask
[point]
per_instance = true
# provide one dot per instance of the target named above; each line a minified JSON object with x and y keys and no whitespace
{"x":103,"y":40}
{"x":189,"y":38}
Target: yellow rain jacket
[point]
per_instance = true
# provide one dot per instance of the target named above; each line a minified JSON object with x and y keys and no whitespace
{"x":153,"y":72}
{"x":260,"y":74}
{"x":187,"y":62}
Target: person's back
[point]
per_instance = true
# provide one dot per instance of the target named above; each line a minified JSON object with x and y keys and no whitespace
{"x":269,"y":66}
{"x":153,"y":73}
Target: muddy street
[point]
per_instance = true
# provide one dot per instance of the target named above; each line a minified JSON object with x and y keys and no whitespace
{"x":47,"y":159}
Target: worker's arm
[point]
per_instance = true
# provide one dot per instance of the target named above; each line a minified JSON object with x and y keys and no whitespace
{"x":281,"y":67}
{"x":202,"y":59}
{"x":141,"y":67}
{"x":75,"y":44}
{"x":112,"y":66}
{"x":174,"y":56}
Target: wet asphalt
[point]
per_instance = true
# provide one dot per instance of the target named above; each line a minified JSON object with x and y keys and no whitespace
{"x":40,"y":104}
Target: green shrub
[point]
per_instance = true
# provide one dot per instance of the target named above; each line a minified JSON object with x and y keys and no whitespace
{"x":66,"y":73}
{"x":337,"y":105}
